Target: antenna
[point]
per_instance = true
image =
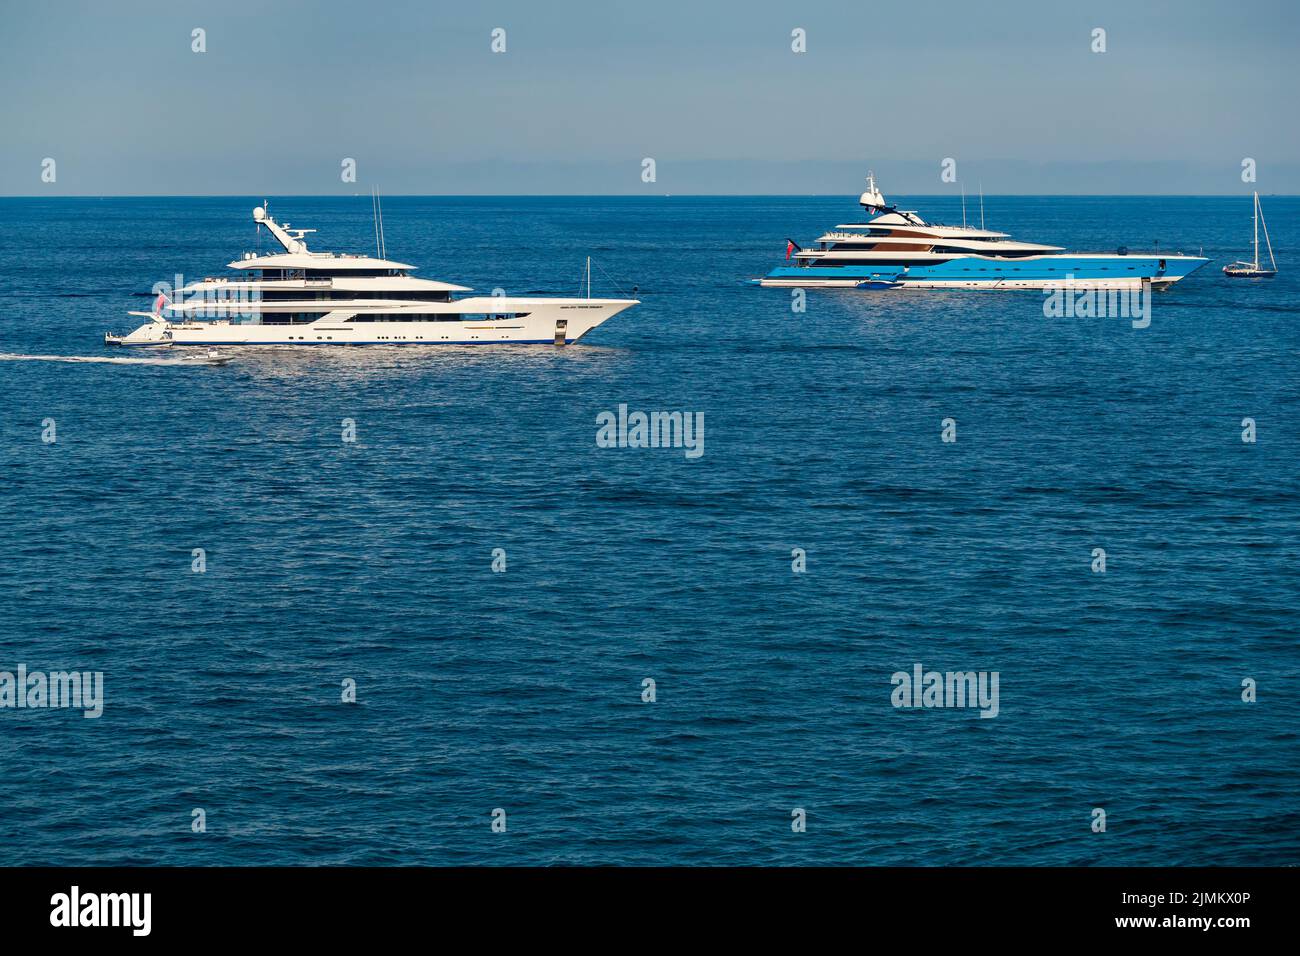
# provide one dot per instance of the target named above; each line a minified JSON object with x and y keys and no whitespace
{"x":374,"y":214}
{"x":383,"y":244}
{"x":963,"y":205}
{"x":588,"y":277}
{"x":981,"y":204}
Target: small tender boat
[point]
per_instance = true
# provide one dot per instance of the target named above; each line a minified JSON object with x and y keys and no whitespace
{"x":1252,"y":270}
{"x":210,"y":357}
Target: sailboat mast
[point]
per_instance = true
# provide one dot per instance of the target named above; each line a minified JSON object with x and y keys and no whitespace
{"x":1257,"y":231}
{"x":1266,"y":238}
{"x":588,"y":277}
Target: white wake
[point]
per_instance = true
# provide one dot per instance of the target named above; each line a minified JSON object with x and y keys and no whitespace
{"x":12,"y":357}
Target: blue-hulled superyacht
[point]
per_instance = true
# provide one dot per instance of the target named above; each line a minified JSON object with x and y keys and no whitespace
{"x":897,"y":248}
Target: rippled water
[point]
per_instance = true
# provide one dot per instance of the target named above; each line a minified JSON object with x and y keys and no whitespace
{"x":371,"y":560}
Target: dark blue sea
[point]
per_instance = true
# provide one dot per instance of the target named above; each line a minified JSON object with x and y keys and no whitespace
{"x":371,"y":561}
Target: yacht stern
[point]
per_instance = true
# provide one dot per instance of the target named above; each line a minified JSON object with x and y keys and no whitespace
{"x":155,"y":332}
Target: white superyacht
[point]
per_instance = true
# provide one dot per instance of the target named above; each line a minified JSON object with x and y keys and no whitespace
{"x":301,"y":297}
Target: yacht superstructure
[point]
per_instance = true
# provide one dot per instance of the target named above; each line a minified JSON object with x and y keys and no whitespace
{"x":301,"y":297}
{"x":897,"y":248}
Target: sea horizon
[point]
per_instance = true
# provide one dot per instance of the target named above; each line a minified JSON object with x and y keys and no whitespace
{"x":849,"y":197}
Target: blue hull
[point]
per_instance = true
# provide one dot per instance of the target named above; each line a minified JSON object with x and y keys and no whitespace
{"x":976,"y":270}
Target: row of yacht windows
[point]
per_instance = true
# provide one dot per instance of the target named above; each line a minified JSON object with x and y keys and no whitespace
{"x":946,"y":250}
{"x":290,"y":295}
{"x":324,"y":273}
{"x":305,"y":318}
{"x":438,"y":316}
{"x":912,"y":262}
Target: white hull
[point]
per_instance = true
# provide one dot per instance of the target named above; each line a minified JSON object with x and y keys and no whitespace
{"x":548,"y":321}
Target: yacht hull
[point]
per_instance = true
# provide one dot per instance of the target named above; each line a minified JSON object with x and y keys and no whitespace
{"x":547,"y":322}
{"x":982,"y":273}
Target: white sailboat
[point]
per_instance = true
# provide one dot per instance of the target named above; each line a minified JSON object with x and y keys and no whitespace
{"x":1252,"y":270}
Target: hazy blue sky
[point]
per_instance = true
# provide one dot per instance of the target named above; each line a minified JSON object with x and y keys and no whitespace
{"x":710,"y":90}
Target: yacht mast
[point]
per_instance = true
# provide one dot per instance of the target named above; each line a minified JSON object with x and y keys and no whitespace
{"x":588,"y":277}
{"x":291,"y":239}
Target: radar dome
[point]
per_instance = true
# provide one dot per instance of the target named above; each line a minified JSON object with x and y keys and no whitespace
{"x":259,"y":213}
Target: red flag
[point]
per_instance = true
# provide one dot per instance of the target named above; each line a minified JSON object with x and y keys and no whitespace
{"x":159,"y":303}
{"x":789,"y":247}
